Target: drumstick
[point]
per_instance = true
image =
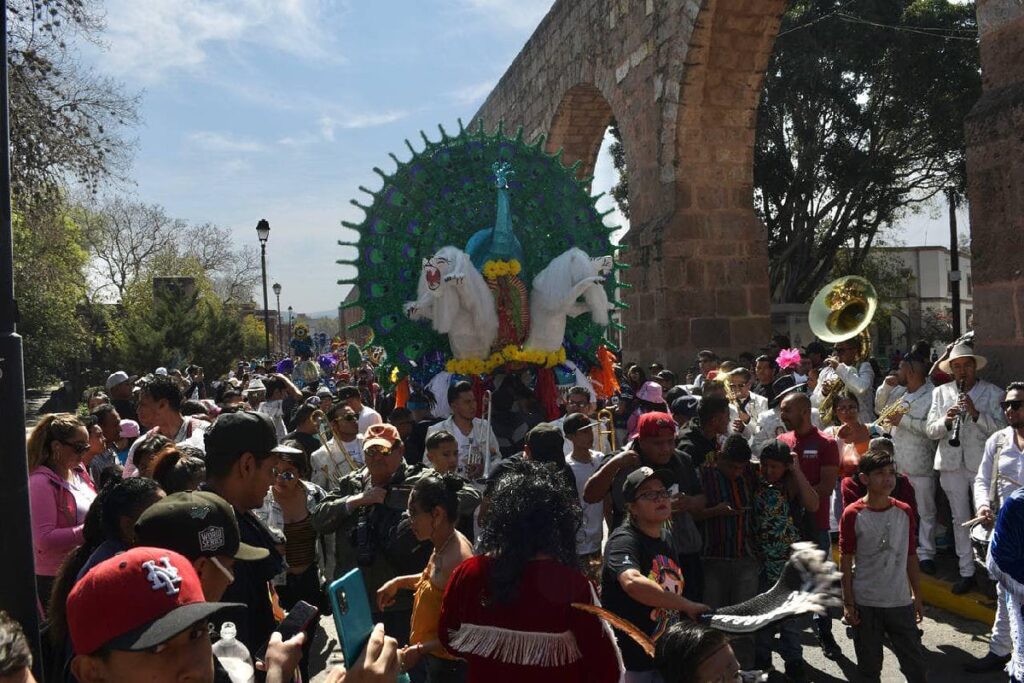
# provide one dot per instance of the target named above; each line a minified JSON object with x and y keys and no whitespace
{"x":976,"y":520}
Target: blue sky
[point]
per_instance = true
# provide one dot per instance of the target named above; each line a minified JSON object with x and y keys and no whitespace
{"x":279,"y":109}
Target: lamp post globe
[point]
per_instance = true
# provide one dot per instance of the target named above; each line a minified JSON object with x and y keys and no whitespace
{"x":263,"y":233}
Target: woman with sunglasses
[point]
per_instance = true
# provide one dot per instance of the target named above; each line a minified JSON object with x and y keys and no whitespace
{"x":287,"y":510}
{"x":60,"y":492}
{"x":640,"y":580}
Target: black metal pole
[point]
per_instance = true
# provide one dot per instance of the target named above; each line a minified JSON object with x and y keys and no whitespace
{"x":954,"y":264}
{"x":280,"y":346}
{"x":266,"y":304}
{"x":17,"y":572}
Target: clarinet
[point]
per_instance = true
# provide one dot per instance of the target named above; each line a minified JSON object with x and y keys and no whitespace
{"x":954,"y":437}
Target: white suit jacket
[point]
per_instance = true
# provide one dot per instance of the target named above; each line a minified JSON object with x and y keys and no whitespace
{"x":915,"y":450}
{"x":755,"y":406}
{"x":860,"y":382}
{"x":986,"y":397}
{"x":1000,"y":448}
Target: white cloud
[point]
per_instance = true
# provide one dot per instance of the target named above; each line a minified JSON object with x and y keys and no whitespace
{"x":472,"y":94}
{"x":209,"y":141}
{"x":149,"y":39}
{"x":329,"y":122}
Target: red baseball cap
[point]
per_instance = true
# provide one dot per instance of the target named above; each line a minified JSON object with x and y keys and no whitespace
{"x":652,"y":424}
{"x":137,"y":600}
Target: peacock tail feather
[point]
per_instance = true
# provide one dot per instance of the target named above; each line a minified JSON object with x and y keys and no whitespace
{"x":441,"y":196}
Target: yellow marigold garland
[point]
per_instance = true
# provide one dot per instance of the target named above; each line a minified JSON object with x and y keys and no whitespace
{"x":509,"y":354}
{"x":492,"y":270}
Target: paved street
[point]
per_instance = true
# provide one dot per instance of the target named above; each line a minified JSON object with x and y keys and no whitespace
{"x":949,"y":639}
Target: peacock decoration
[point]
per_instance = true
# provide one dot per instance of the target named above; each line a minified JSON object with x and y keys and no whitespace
{"x":451,"y":245}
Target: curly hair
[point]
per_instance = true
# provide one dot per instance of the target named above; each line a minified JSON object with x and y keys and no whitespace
{"x":532,"y":512}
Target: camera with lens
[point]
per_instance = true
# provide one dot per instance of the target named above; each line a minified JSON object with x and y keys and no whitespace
{"x":364,"y":538}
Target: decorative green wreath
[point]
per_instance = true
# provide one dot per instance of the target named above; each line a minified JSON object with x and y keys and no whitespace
{"x":441,"y":197}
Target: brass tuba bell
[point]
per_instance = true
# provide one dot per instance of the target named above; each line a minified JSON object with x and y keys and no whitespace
{"x":842,"y":309}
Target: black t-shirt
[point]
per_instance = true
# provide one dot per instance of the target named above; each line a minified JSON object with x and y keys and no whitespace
{"x":308,"y":442}
{"x":655,"y":558}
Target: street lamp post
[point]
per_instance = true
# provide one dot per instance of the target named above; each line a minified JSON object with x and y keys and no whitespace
{"x":289,"y":324}
{"x":263,"y":232}
{"x":18,"y":598}
{"x":277,"y":332}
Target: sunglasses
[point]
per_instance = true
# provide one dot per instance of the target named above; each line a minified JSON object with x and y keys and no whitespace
{"x":653,"y":496}
{"x":286,"y":476}
{"x":78,"y":448}
{"x":1011,"y":405}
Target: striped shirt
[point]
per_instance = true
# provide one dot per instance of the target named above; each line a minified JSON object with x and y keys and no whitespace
{"x":729,"y":536}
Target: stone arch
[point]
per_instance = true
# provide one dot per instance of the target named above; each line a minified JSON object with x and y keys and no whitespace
{"x":578,"y":126}
{"x":683,"y":78}
{"x":703,"y":274}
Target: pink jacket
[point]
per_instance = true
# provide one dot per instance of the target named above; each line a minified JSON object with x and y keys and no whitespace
{"x":55,"y":528}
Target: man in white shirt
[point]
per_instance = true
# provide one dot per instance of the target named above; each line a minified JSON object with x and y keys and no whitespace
{"x":859,"y":379}
{"x":1004,"y":456}
{"x":584,"y":462}
{"x":473,"y":435}
{"x":351,"y":397}
{"x":746,"y":407}
{"x":329,"y":462}
{"x":579,"y":400}
{"x":973,"y":404}
{"x":282,"y":395}
{"x":914,"y":449}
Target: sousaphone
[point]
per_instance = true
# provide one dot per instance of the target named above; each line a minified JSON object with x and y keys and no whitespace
{"x":842,"y":310}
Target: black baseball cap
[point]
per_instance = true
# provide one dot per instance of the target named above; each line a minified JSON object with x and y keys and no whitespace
{"x":195,"y":524}
{"x":686,"y":406}
{"x":574,"y":422}
{"x":637,"y":477}
{"x":545,"y":442}
{"x":347,"y":392}
{"x":243,"y":432}
{"x":778,"y":451}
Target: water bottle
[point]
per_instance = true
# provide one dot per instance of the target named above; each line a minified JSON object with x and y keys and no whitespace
{"x":233,"y":655}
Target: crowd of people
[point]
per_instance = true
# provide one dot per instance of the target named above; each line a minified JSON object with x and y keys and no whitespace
{"x":175,"y":518}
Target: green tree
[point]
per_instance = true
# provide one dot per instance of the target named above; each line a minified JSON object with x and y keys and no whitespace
{"x":620,"y":191}
{"x":219,"y":339}
{"x":860,"y":120}
{"x":49,"y":280}
{"x":253,"y":340}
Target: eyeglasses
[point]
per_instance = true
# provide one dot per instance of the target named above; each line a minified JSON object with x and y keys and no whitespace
{"x":347,"y":418}
{"x":581,"y":404}
{"x":78,"y":447}
{"x":1011,"y":405}
{"x":286,"y":476}
{"x":653,"y":496}
{"x":227,"y":572}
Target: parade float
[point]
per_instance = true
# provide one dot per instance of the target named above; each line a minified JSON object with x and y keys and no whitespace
{"x":482,"y":256}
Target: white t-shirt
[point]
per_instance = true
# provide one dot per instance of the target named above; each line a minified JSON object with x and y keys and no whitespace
{"x":367,"y":418}
{"x":588,"y":539}
{"x":329,"y":464}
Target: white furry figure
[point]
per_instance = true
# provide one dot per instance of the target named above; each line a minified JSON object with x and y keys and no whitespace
{"x":454,"y":296}
{"x":556,"y":289}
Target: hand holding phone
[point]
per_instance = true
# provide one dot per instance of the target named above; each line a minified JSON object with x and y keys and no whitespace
{"x":296,"y":621}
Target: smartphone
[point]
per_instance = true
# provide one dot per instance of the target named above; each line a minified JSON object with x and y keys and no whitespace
{"x":352,"y":618}
{"x":297,"y":620}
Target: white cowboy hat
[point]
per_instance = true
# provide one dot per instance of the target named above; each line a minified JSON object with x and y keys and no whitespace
{"x":962,"y":351}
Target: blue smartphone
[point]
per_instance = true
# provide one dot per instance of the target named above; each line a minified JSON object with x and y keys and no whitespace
{"x":352,"y":618}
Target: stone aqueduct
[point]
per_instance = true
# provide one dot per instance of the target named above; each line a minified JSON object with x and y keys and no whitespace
{"x":683,"y":78}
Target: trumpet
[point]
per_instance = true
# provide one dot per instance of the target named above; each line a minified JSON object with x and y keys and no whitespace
{"x":607,"y":419}
{"x":323,"y":427}
{"x":884,"y":421}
